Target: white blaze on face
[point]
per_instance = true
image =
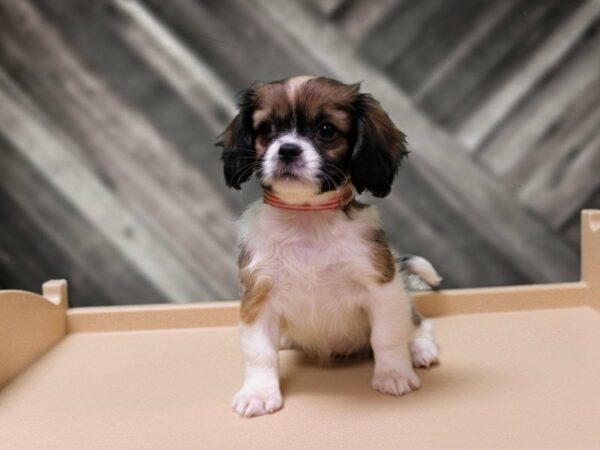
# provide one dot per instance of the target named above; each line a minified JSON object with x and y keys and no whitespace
{"x":293,"y":85}
{"x":307,"y":165}
{"x":305,"y":168}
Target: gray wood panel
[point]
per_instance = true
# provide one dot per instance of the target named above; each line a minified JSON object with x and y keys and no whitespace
{"x":494,"y":59}
{"x":140,"y":163}
{"x":44,"y":237}
{"x":125,"y":98}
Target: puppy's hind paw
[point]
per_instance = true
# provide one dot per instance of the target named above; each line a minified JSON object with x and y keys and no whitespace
{"x":423,"y":352}
{"x":257,"y":402}
{"x":394,"y":382}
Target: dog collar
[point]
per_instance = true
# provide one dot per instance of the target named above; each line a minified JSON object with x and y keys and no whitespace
{"x":341,"y":198}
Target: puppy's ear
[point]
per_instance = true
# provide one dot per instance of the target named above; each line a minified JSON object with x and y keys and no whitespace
{"x":239,"y":156}
{"x":379,"y":148}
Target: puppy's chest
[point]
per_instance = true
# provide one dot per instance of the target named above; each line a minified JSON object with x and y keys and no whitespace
{"x":319,"y":274}
{"x":314,"y":262}
{"x":321,"y":271}
{"x":319,"y":290}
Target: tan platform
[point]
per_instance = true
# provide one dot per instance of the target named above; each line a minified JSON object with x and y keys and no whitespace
{"x":520,"y":369}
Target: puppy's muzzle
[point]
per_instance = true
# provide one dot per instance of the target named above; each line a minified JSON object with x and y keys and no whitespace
{"x":288,"y":153}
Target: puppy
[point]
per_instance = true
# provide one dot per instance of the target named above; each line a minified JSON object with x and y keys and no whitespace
{"x":316,"y":269}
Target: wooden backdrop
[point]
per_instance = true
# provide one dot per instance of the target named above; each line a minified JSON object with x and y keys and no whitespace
{"x":109,"y":109}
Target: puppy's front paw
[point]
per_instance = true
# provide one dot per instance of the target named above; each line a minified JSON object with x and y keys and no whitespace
{"x":251,"y":402}
{"x":395,"y":382}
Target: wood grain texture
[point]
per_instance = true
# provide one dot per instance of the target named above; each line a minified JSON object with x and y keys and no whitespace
{"x":45,"y":237}
{"x":109,"y":111}
{"x":359,"y":17}
{"x":552,"y":53}
{"x":140,"y":164}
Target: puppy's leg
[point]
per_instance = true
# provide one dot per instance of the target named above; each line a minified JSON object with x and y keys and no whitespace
{"x":419,"y":266}
{"x":260,"y":392}
{"x":391,"y":332}
{"x":285,"y":343}
{"x":423,"y":349}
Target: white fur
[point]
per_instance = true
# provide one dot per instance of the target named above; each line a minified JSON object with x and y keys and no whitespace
{"x":260,"y":393}
{"x":424,"y":269}
{"x":423,"y":349}
{"x":293,"y":85}
{"x":307,"y":167}
{"x":325,"y":299}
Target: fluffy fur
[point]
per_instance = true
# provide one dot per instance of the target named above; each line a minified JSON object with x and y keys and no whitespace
{"x":321,"y":281}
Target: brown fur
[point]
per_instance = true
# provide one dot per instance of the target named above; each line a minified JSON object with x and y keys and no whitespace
{"x":337,"y":148}
{"x":415,"y":317}
{"x":243,"y":258}
{"x":253,"y":298}
{"x":381,"y":257}
{"x":383,"y":128}
{"x":322,"y":97}
{"x":271,"y":103}
{"x":303,"y":104}
{"x":227,"y":137}
{"x":317,"y":100}
{"x":352,"y":207}
{"x":324,"y":100}
{"x":255,"y":291}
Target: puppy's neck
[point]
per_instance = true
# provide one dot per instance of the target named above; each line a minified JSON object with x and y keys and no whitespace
{"x":303,"y":200}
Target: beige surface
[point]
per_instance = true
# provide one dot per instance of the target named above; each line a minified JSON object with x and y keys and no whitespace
{"x":149,"y":317}
{"x":507,"y":380}
{"x":438,"y":304}
{"x":521,"y":370}
{"x":29,"y":325}
{"x":590,"y":254}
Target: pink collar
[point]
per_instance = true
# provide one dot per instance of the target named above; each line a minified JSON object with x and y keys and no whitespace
{"x":341,"y":198}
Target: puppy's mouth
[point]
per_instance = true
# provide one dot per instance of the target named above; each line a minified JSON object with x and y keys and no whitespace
{"x":288,"y":172}
{"x":296,"y":171}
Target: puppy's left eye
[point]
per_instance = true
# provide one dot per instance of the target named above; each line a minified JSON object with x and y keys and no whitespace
{"x":327,"y":131}
{"x":266,"y":129}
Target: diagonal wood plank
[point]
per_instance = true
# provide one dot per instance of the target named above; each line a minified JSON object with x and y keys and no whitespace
{"x":439,"y":34}
{"x":565,"y":180}
{"x":487,"y":117}
{"x":46,"y":238}
{"x":24,"y":261}
{"x":563,"y":131}
{"x":485,"y":24}
{"x":397,"y":30}
{"x":147,"y":172}
{"x":361,"y":16}
{"x":495,"y":59}
{"x":223,"y":33}
{"x":52,"y":156}
{"x":328,"y":7}
{"x":194,"y":80}
{"x":467,"y":188}
{"x":157,"y":76}
{"x":508,"y":151}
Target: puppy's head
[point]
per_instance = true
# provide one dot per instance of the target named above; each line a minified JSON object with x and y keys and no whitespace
{"x":311,"y":135}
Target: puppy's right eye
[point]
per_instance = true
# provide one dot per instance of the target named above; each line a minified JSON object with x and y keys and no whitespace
{"x":327,"y":131}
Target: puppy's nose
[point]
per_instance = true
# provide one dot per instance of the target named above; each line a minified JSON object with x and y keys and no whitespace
{"x":289,"y":152}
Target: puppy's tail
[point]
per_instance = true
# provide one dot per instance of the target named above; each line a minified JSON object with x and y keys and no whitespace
{"x":420,"y":268}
